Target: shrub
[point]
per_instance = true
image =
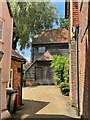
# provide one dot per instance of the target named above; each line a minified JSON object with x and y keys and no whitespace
{"x":66,"y":94}
{"x":64,"y":87}
{"x":65,"y":91}
{"x":60,"y":68}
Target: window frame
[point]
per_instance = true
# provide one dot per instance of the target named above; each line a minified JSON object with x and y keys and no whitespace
{"x":11,"y":70}
{"x":2,"y":30}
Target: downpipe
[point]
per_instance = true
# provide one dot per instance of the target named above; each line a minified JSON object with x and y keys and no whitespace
{"x":77,"y":68}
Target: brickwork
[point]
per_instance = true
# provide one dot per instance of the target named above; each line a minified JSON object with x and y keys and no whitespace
{"x":16,"y":77}
{"x":84,"y":60}
{"x":73,"y":72}
{"x":84,"y":57}
{"x":75,"y":13}
{"x":72,"y":46}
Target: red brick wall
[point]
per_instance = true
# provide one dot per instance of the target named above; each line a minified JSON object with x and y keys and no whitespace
{"x":75,"y":13}
{"x":16,"y":77}
{"x":84,"y":57}
{"x":84,"y":60}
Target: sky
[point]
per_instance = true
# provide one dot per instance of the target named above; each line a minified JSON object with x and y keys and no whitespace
{"x":61,"y":11}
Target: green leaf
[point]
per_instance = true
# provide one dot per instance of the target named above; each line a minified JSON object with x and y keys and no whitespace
{"x":31,"y":18}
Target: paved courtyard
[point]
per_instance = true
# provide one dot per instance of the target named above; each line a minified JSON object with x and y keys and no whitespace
{"x":44,"y":102}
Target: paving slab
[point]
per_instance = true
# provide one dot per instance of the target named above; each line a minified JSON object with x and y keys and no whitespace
{"x":45,"y":102}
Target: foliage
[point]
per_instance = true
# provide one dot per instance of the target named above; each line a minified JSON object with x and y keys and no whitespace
{"x":23,"y":79}
{"x":63,"y":23}
{"x":31,"y":18}
{"x":65,"y":91}
{"x":60,"y":68}
{"x":64,"y":87}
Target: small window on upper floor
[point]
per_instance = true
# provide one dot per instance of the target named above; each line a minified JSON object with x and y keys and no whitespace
{"x":1,"y":29}
{"x":41,"y":49}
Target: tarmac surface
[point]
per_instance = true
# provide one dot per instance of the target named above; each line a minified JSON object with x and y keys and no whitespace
{"x":44,"y":102}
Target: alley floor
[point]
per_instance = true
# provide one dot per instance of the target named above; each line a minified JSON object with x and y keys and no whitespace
{"x":41,"y":102}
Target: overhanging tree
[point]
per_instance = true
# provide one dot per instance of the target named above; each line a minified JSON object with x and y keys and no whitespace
{"x":31,"y":18}
{"x":63,"y":23}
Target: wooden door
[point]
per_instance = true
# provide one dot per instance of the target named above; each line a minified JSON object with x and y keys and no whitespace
{"x":38,"y":74}
{"x":44,"y":75}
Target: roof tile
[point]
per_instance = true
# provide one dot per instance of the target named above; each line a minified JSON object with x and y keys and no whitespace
{"x":17,"y":56}
{"x":52,"y":36}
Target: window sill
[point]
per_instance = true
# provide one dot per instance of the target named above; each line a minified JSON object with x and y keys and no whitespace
{"x":1,"y":42}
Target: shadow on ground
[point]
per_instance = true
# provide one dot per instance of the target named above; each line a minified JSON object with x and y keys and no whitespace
{"x":30,"y":108}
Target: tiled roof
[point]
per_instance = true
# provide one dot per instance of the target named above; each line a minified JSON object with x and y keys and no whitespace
{"x":52,"y":36}
{"x":17,"y":56}
{"x":46,"y":56}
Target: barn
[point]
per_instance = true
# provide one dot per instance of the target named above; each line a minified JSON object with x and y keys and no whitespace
{"x":44,"y":46}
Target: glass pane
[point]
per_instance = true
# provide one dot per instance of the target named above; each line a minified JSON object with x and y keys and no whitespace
{"x":0,"y":35}
{"x":41,"y":49}
{"x":1,"y":25}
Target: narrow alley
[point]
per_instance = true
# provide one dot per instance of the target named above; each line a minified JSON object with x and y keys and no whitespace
{"x":44,"y":102}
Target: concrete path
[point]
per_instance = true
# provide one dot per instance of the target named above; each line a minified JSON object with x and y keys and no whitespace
{"x":45,"y":102}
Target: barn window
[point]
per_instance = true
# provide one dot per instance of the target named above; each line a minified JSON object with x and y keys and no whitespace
{"x":41,"y":49}
{"x":1,"y":29}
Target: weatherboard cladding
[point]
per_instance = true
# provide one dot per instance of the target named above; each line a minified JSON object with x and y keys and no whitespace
{"x":54,"y":41}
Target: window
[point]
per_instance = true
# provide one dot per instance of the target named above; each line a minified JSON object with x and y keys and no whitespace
{"x":10,"y":83}
{"x":1,"y":29}
{"x":41,"y":49}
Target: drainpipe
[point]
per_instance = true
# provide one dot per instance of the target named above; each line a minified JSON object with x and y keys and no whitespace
{"x":77,"y":60}
{"x":77,"y":67}
{"x":21,"y":83}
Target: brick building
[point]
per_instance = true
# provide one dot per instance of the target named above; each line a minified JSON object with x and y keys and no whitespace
{"x":6,"y":30}
{"x":84,"y":57}
{"x":16,"y":73}
{"x":71,"y":12}
{"x":83,"y":36}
